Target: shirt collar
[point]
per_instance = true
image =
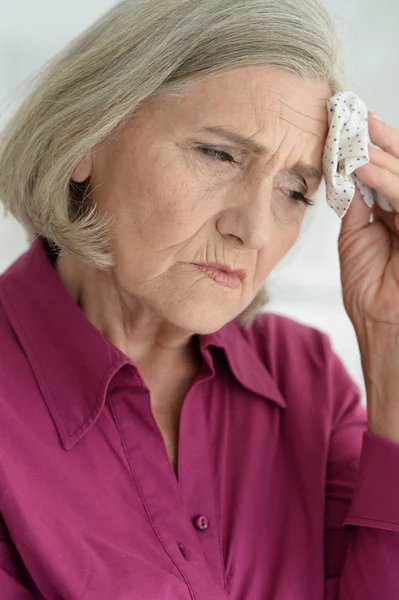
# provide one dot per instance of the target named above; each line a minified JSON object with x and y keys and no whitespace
{"x":74,"y":363}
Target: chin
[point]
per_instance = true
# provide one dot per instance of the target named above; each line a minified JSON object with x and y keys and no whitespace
{"x":202,"y":318}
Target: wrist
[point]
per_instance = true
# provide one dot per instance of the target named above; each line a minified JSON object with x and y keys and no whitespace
{"x":379,"y":350}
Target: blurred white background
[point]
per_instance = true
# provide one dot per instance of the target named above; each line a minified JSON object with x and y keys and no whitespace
{"x":306,"y":285}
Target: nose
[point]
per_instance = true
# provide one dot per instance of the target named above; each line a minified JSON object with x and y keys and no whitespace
{"x":250,"y":218}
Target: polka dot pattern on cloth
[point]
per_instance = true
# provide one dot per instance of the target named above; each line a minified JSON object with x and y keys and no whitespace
{"x":345,"y":150}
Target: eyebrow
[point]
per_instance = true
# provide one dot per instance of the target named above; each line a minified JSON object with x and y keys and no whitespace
{"x":300,"y":167}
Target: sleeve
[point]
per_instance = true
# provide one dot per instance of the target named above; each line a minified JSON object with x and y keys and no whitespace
{"x":11,"y":585}
{"x":361,"y":542}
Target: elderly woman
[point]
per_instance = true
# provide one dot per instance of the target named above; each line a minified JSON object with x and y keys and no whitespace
{"x":162,"y":438}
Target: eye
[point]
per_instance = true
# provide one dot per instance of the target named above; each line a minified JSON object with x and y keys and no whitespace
{"x":298,"y":196}
{"x":219,"y":155}
{"x":223,"y":156}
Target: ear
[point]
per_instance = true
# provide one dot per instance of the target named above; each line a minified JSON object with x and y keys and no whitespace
{"x":83,"y":169}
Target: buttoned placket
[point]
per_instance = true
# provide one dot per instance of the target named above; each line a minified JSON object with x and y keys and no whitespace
{"x":185,"y":524}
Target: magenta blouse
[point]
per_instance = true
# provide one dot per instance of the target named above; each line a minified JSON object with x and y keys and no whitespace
{"x":281,"y":494}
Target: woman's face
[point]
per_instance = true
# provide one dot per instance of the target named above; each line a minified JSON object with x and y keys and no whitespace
{"x":182,"y":194}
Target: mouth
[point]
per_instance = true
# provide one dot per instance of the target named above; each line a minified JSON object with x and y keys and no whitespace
{"x":240,"y":273}
{"x":230,"y":279}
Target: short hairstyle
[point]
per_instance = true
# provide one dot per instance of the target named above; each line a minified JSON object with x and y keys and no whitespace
{"x":138,"y":50}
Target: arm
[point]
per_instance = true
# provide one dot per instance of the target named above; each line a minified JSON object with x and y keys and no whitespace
{"x":11,"y":585}
{"x":362,"y":501}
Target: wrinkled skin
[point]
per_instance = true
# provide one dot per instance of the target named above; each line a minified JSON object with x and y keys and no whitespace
{"x":174,"y":204}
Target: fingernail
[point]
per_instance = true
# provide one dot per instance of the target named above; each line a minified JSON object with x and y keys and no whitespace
{"x":376,"y":117}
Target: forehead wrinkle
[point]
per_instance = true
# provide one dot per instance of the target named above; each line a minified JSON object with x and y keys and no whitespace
{"x":286,"y":120}
{"x":300,"y":170}
{"x":283,"y":107}
{"x":306,"y":115}
{"x":298,"y":127}
{"x":303,"y":115}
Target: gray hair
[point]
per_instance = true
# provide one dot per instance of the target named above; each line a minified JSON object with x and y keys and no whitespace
{"x":138,"y":50}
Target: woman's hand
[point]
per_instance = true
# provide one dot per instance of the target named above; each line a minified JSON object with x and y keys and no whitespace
{"x":369,"y":257}
{"x":369,"y":252}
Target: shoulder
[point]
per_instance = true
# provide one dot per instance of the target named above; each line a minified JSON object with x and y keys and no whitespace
{"x":8,"y":340}
{"x":15,"y":370}
{"x":279,"y":339}
{"x":302,"y":362}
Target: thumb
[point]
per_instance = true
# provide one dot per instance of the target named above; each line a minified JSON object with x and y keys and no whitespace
{"x":357,"y":216}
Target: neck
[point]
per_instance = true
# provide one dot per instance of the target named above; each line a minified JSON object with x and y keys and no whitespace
{"x":123,"y":319}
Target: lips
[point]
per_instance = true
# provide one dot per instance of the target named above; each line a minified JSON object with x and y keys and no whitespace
{"x":228,"y":280}
{"x":240,"y":273}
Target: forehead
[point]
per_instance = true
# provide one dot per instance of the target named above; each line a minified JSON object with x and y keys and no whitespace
{"x":257,"y":99}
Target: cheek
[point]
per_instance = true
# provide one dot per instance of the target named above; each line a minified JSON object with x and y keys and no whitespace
{"x":288,"y":230}
{"x":280,"y":241}
{"x":174,"y":195}
{"x":162,"y":205}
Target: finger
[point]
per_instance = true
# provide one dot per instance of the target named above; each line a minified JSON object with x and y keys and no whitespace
{"x":383,"y":135}
{"x":391,"y":220}
{"x":357,"y":216}
{"x":382,"y":181}
{"x":383,"y":159}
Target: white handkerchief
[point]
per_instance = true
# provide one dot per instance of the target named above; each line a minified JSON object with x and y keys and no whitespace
{"x":346,"y":150}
